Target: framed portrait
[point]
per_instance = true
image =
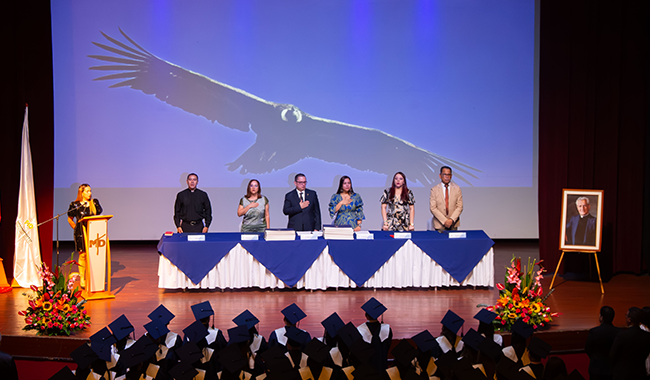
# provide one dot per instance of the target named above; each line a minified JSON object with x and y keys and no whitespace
{"x":582,"y":220}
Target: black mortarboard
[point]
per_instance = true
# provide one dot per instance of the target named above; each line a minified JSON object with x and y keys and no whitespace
{"x":64,"y":373}
{"x":349,"y":334}
{"x":156,"y":329}
{"x":183,"y":371}
{"x":463,"y":369}
{"x":452,"y":321}
{"x":295,"y":336}
{"x":404,"y":352}
{"x":121,"y":327}
{"x":317,"y":350}
{"x":485,"y":316}
{"x":238,"y":334}
{"x":278,"y":364}
{"x":473,"y":339}
{"x":362,"y":350}
{"x":490,"y":349}
{"x":189,"y":353}
{"x":202,"y":310}
{"x":538,"y":347}
{"x":232,"y":358}
{"x":140,"y":351}
{"x":374,"y":308}
{"x":333,"y":324}
{"x":522,"y":328}
{"x":246,"y":318}
{"x":425,"y":341}
{"x":293,"y":313}
{"x":161,"y":313}
{"x":84,"y":355}
{"x":101,"y":343}
{"x":195,"y":332}
{"x":367,"y":372}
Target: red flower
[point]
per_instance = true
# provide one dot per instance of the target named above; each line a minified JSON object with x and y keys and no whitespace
{"x":34,"y":288}
{"x":518,"y":265}
{"x":500,"y":286}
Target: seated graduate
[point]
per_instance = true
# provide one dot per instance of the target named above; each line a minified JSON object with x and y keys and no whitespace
{"x":537,"y":350}
{"x":333,"y":324}
{"x":406,"y":365}
{"x":213,"y":342}
{"x":449,"y":341}
{"x":238,"y":362}
{"x":378,"y":334}
{"x":257,"y":342}
{"x":292,"y":315}
{"x":121,"y":329}
{"x":486,"y":325}
{"x":426,"y":347}
{"x":346,"y":205}
{"x":517,"y":351}
{"x":167,"y":342}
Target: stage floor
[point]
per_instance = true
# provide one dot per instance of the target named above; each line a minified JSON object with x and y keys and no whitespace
{"x":135,"y":279}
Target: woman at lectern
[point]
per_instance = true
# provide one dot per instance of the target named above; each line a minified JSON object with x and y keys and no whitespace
{"x":398,"y":206}
{"x":254,"y":207}
{"x":346,"y":205}
{"x":81,"y":207}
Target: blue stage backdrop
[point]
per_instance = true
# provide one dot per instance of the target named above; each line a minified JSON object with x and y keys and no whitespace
{"x":147,"y":91}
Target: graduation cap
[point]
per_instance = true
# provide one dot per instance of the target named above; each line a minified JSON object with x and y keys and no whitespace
{"x":333,"y":324}
{"x":295,"y":336}
{"x":362,"y":350}
{"x":140,"y":351}
{"x":195,"y":332}
{"x":121,"y":327}
{"x":64,"y":374}
{"x":473,"y":339}
{"x":317,"y":350}
{"x":232,"y":358}
{"x":183,"y":371}
{"x":293,"y":313}
{"x":452,"y":321}
{"x":275,"y":359}
{"x":189,"y":353}
{"x":374,"y":308}
{"x":246,"y":318}
{"x":404,"y":352}
{"x":238,"y":334}
{"x":101,"y":342}
{"x":485,"y":316}
{"x":202,"y":310}
{"x":84,"y":355}
{"x":162,"y":314}
{"x":425,"y":341}
{"x":522,"y":328}
{"x":463,"y":369}
{"x":367,"y":372}
{"x":490,"y":349}
{"x":538,"y":347}
{"x":349,"y":334}
{"x":156,"y":329}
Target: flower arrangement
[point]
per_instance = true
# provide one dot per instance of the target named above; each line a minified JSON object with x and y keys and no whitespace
{"x":521,"y":297}
{"x":56,"y":308}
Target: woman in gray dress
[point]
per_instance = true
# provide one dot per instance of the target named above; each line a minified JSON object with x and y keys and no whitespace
{"x":254,"y":207}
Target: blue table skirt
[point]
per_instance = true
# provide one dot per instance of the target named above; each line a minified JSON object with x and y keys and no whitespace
{"x":358,"y":259}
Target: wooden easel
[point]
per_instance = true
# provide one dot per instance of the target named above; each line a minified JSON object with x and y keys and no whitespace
{"x":602,"y":290}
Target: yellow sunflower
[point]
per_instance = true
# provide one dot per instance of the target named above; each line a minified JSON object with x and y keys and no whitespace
{"x":47,"y":306}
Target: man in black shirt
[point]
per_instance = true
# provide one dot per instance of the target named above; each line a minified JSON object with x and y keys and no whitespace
{"x":191,"y":207}
{"x":599,"y":343}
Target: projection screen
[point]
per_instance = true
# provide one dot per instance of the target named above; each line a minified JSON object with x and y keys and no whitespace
{"x":148,"y":91}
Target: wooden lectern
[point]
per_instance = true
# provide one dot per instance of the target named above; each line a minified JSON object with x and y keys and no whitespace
{"x":98,"y":252}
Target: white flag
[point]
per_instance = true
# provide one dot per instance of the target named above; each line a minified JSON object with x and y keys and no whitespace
{"x":27,"y":257}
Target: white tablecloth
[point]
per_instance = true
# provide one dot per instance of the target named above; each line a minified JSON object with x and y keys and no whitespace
{"x":408,"y":267}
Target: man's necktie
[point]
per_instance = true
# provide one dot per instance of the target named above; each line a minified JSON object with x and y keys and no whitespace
{"x":302,"y":199}
{"x":447,"y":199}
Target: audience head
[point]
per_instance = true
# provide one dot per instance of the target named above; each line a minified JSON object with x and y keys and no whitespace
{"x":554,"y":368}
{"x":633,"y":316}
{"x":606,"y":315}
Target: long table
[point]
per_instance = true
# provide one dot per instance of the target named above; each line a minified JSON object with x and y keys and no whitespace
{"x":427,"y":259}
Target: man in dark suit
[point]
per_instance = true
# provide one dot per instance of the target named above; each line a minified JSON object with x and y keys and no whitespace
{"x":630,"y":349}
{"x":599,"y":343}
{"x":301,"y":205}
{"x":581,"y":229}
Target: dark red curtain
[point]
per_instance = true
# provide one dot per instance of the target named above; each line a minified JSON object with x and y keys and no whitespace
{"x":593,"y":121}
{"x":26,"y":67}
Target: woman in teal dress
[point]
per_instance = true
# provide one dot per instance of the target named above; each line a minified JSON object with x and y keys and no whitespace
{"x":254,"y":207}
{"x":346,"y":205}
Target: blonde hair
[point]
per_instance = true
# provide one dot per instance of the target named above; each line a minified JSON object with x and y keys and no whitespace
{"x":82,"y":187}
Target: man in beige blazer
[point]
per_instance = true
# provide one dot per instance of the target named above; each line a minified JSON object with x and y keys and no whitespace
{"x":446,"y":202}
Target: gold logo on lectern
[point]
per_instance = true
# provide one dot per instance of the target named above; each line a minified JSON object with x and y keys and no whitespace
{"x":99,"y":242}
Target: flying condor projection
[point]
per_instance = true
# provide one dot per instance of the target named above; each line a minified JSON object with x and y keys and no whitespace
{"x":285,"y":133}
